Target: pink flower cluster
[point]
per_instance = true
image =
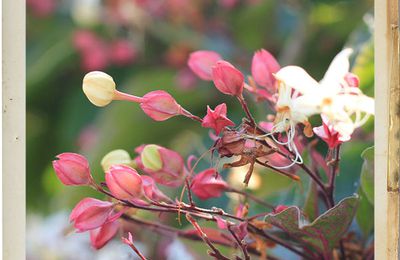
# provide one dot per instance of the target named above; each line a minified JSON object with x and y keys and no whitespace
{"x":97,"y":54}
{"x":42,"y":8}
{"x":209,"y":65}
{"x":126,"y":184}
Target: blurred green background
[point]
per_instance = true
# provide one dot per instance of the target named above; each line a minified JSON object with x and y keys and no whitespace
{"x":144,"y":46}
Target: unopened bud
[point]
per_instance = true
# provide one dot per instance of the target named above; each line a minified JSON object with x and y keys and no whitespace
{"x":90,"y":213}
{"x":160,"y":105}
{"x":115,"y":157}
{"x":72,"y":169}
{"x":227,"y":79}
{"x":262,"y":68}
{"x":99,"y":88}
{"x":201,"y":63}
{"x":99,"y":237}
{"x":124,"y":182}
{"x":165,"y":166}
{"x":151,"y":158}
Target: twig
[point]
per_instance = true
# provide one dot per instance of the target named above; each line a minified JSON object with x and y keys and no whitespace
{"x":129,"y":242}
{"x":190,"y":115}
{"x":240,"y":243}
{"x":164,"y":229}
{"x":189,"y":193}
{"x":196,"y":211}
{"x":246,"y":110}
{"x":216,"y":253}
{"x":334,"y":165}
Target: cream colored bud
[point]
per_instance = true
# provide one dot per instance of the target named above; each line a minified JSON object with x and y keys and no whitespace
{"x":99,"y":88}
{"x":115,"y":157}
{"x":151,"y":157}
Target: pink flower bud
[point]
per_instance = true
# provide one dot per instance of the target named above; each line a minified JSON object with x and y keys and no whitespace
{"x":227,"y":78}
{"x":72,"y":169}
{"x":201,"y":63}
{"x":95,"y":58}
{"x":164,"y":165}
{"x":262,"y":68}
{"x":42,"y":8}
{"x":352,"y":80}
{"x":160,"y":106}
{"x":207,"y":185}
{"x":122,"y":52}
{"x":90,"y":213}
{"x":216,"y":119}
{"x":151,"y":190}
{"x":99,"y":237}
{"x":328,"y":134}
{"x":84,"y":39}
{"x":124,"y":182}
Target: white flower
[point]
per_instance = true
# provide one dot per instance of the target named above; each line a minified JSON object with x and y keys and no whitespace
{"x":345,"y":106}
{"x":300,"y":96}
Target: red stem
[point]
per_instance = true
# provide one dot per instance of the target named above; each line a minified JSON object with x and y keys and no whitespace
{"x":241,"y":245}
{"x":124,"y":96}
{"x":246,"y":110}
{"x":217,"y":254}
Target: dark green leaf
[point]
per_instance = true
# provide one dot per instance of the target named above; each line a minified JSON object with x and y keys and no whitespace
{"x":323,"y":233}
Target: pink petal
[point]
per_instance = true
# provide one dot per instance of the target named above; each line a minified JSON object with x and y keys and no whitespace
{"x":201,"y":63}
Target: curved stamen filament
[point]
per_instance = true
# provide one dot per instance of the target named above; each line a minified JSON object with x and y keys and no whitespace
{"x":290,"y":143}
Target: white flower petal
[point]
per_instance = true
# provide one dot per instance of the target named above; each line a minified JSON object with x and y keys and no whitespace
{"x":338,"y":68}
{"x":359,"y":103}
{"x":297,"y":78}
{"x":305,"y":106}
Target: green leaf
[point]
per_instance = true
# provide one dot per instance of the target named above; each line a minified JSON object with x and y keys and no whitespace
{"x":365,"y":215}
{"x":324,"y":232}
{"x":311,"y":204}
{"x":367,"y":174}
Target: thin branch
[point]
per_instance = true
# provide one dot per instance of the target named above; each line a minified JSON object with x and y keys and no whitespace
{"x":129,"y":242}
{"x":189,"y":192}
{"x":334,"y":166}
{"x":166,"y":230}
{"x":242,"y":246}
{"x":246,"y":110}
{"x":216,"y":253}
{"x":196,"y":211}
{"x":190,"y":115}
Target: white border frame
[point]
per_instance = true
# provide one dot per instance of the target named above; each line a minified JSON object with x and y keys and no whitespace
{"x":13,"y":101}
{"x":13,"y":43}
